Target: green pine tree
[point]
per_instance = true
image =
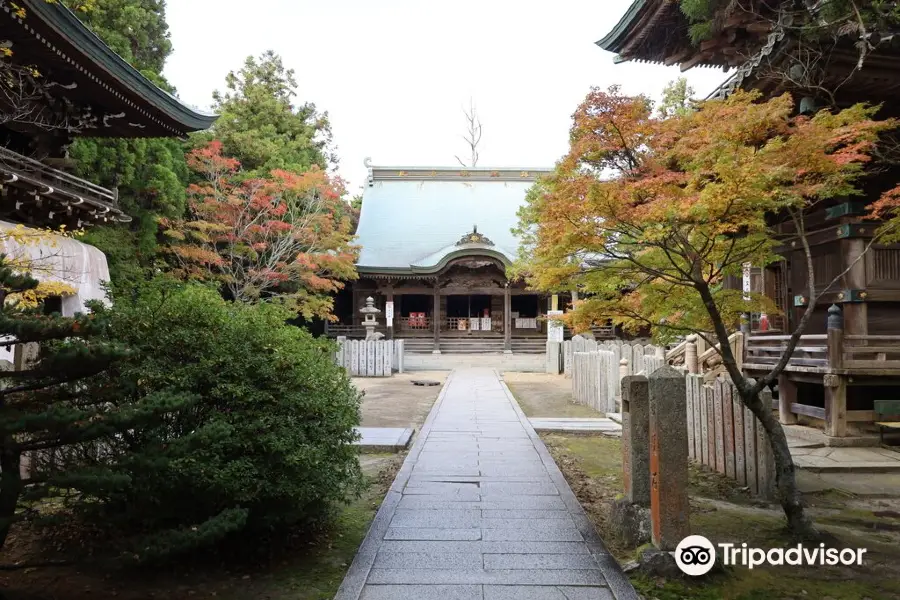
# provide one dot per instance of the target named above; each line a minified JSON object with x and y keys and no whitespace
{"x":51,"y":432}
{"x":262,"y":127}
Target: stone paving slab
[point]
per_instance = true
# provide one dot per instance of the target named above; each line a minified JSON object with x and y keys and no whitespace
{"x":831,"y":459}
{"x":557,"y":592}
{"x":479,"y":510}
{"x":601,"y":426}
{"x":383,"y":439}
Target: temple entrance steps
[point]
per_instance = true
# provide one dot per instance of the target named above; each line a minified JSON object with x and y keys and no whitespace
{"x":531,"y":345}
{"x":418,"y":345}
{"x":472,"y":345}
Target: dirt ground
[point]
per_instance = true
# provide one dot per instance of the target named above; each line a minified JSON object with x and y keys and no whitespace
{"x":395,"y":401}
{"x":311,"y":571}
{"x":723,"y":512}
{"x":544,"y":395}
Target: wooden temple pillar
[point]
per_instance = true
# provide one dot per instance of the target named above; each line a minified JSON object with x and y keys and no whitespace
{"x":507,"y":320}
{"x":436,"y":318}
{"x":855,"y":310}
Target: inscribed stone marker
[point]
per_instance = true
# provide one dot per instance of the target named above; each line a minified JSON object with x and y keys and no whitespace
{"x":636,"y":439}
{"x":669,"y":507}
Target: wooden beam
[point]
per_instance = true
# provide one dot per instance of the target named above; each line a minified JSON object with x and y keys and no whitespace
{"x":677,"y":57}
{"x":787,"y":397}
{"x":835,"y":405}
{"x":758,"y":27}
{"x":861,"y":416}
{"x":694,"y":61}
{"x":809,"y":411}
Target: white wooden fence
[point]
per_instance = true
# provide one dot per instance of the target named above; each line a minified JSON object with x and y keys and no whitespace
{"x":370,"y":359}
{"x":596,"y":369}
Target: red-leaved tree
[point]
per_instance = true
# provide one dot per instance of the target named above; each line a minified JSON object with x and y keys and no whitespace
{"x":287,"y":236}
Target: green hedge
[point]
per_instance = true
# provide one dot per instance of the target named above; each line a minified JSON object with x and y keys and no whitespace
{"x":266,"y":443}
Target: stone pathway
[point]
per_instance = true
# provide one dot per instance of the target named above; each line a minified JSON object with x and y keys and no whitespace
{"x":479,"y":511}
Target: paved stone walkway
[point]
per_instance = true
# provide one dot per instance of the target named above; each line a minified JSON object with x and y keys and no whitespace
{"x":479,"y":511}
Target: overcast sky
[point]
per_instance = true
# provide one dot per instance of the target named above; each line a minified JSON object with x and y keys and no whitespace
{"x":395,"y":74}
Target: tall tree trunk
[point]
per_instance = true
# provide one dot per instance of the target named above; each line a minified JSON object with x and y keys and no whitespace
{"x":10,"y":485}
{"x":785,"y":473}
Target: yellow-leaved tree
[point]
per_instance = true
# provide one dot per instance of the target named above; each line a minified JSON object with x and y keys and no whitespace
{"x":648,"y":216}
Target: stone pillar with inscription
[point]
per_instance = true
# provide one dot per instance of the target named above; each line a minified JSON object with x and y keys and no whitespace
{"x":669,"y":509}
{"x":636,"y":439}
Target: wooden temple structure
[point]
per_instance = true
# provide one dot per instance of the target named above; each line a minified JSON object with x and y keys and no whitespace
{"x":849,"y":356}
{"x":435,"y":246}
{"x":58,"y":82}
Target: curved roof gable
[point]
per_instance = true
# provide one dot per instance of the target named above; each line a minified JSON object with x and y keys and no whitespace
{"x":55,"y":39}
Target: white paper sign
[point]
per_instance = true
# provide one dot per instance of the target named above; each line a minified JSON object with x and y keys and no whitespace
{"x":746,"y":280}
{"x":389,"y":313}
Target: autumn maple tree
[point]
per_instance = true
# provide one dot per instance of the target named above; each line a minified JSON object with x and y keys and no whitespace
{"x":648,"y":217}
{"x":286,"y":236}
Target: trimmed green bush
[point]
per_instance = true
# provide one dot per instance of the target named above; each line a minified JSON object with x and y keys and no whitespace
{"x":266,"y":444}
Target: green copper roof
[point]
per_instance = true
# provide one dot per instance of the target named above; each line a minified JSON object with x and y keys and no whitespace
{"x":417,"y":220}
{"x":614,"y":40}
{"x":69,"y":27}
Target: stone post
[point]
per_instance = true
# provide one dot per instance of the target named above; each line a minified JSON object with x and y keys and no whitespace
{"x":623,"y":373}
{"x":636,"y":439}
{"x":554,"y":352}
{"x":690,"y":354}
{"x":660,"y":353}
{"x":669,"y":509}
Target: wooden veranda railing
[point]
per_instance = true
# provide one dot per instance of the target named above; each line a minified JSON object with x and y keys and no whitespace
{"x":872,"y":354}
{"x":810,"y":355}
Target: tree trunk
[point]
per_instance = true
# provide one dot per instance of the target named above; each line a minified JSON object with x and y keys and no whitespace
{"x":785,"y":475}
{"x":10,"y":486}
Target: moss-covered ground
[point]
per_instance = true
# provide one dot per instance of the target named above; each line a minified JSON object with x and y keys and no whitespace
{"x":310,"y":571}
{"x":723,"y":512}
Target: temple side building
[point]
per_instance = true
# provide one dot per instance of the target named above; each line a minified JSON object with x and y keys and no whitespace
{"x":61,"y":82}
{"x":850,"y":354}
{"x":436,"y":243}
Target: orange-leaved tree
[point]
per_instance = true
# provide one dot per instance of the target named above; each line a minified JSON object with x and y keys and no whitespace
{"x":284,"y":237}
{"x":648,"y":216}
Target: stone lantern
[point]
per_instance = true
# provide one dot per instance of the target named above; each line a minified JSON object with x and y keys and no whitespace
{"x":369,"y":321}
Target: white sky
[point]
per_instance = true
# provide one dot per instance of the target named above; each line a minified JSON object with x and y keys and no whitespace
{"x":395,"y":74}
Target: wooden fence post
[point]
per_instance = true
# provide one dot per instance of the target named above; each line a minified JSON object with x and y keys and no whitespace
{"x":690,"y":354}
{"x":835,"y":384}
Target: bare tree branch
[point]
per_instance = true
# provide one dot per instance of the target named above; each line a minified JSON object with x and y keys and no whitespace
{"x":473,"y":134}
